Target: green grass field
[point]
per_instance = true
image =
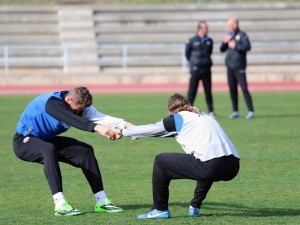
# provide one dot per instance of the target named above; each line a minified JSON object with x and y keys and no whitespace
{"x":266,"y":191}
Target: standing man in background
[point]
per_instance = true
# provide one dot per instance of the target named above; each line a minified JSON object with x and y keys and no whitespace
{"x":198,"y":53}
{"x":237,"y":44}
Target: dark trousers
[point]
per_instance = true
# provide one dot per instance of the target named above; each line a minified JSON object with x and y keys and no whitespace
{"x":195,"y":78}
{"x":59,"y":149}
{"x":170,"y":166}
{"x":236,"y":77}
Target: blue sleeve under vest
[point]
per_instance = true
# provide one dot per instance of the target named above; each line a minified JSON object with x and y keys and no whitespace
{"x":178,"y":122}
{"x":173,"y":122}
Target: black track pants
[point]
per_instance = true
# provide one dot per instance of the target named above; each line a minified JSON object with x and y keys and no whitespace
{"x":59,"y":149}
{"x":170,"y":166}
{"x":193,"y":88}
{"x":236,"y":77}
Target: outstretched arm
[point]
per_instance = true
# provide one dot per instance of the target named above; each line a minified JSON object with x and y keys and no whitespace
{"x":165,"y":128}
{"x":150,"y":130}
{"x":58,"y":109}
{"x":92,"y":114}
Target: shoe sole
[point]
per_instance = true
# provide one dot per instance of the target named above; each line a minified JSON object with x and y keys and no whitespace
{"x":143,"y":216}
{"x":70,"y":214}
{"x":154,"y":218}
{"x":104,"y":211}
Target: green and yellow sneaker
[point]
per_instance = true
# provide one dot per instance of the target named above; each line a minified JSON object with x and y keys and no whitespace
{"x":66,"y":210}
{"x":107,"y":206}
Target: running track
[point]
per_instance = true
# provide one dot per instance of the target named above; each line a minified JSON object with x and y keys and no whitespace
{"x":146,"y":88}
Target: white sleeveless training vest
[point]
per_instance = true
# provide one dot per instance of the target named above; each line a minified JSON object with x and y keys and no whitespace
{"x":202,"y":136}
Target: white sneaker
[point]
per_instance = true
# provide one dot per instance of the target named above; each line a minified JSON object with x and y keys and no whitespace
{"x":250,"y":115}
{"x":194,"y":211}
{"x":234,"y":115}
{"x":155,"y":214}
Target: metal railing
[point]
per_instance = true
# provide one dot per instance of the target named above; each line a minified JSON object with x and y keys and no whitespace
{"x":64,"y":59}
{"x":64,"y":56}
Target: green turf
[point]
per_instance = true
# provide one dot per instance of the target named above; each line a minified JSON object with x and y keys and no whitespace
{"x":266,"y":191}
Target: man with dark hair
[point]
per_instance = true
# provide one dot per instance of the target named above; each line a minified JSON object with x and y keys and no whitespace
{"x":237,"y":44}
{"x":198,"y":53}
{"x":37,"y":140}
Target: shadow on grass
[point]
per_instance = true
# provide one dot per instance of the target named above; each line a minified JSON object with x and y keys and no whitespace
{"x":243,"y":210}
{"x":238,"y":210}
{"x":277,"y":116}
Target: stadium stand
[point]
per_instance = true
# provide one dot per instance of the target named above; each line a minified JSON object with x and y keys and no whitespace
{"x":78,"y":35}
{"x":30,"y":26}
{"x":144,"y":43}
{"x":273,"y":30}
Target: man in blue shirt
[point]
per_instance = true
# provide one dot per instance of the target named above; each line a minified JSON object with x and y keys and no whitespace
{"x":37,"y":140}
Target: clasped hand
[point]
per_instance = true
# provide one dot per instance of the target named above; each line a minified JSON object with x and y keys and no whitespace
{"x":110,"y":133}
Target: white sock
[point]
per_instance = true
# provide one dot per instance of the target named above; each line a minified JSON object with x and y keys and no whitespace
{"x":101,"y":197}
{"x":59,"y":199}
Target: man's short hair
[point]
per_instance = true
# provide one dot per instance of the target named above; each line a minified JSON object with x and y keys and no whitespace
{"x":82,"y":96}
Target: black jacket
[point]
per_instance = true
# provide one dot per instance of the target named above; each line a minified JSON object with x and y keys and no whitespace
{"x":236,"y":58}
{"x":198,"y":51}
